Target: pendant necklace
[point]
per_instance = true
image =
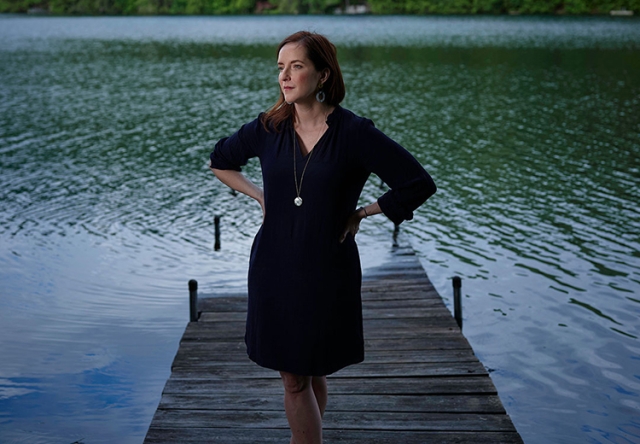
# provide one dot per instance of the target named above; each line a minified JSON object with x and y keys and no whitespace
{"x":298,"y":200}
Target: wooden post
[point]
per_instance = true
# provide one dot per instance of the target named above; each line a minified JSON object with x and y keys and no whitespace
{"x":216,"y":226}
{"x":457,"y":302}
{"x":193,"y":300}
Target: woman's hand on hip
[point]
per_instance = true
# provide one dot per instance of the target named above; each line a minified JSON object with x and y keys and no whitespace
{"x":353,"y":224}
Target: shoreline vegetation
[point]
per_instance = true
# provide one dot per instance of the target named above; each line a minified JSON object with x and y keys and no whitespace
{"x":413,"y":7}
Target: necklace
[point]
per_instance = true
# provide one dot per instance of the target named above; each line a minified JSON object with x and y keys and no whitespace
{"x":298,"y":200}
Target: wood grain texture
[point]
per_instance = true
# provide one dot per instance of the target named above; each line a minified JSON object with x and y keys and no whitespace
{"x":420,"y":381}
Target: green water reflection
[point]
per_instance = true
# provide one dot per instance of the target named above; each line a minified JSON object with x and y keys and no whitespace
{"x":536,"y":152}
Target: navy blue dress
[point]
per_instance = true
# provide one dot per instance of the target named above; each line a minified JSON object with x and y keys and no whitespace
{"x":304,"y":309}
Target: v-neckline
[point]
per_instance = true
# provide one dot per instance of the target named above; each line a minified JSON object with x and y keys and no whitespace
{"x":296,"y":141}
{"x":299,"y":147}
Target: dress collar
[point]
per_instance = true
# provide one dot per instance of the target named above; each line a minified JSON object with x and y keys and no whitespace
{"x":334,"y":115}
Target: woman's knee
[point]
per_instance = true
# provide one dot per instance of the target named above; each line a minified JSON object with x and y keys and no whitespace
{"x":319,"y":381}
{"x":295,"y":383}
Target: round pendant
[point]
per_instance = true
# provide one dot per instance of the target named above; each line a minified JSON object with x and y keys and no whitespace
{"x":297,"y":201}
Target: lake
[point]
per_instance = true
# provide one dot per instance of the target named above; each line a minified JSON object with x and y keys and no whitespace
{"x":529,"y":126}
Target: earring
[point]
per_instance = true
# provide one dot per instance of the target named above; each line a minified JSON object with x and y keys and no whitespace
{"x":320,"y":94}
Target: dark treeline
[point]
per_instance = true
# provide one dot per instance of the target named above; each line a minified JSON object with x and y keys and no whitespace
{"x":131,"y":7}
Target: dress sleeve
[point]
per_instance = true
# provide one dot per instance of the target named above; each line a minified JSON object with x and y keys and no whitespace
{"x":410,"y":184}
{"x":232,"y":153}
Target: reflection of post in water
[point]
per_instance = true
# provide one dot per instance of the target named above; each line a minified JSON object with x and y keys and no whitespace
{"x":216,"y":227}
{"x":396,"y":231}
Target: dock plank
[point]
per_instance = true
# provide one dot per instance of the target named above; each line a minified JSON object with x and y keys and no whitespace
{"x":272,"y":400}
{"x":338,"y":420}
{"x":420,"y":381}
{"x":280,"y":436}
{"x":470,"y":385}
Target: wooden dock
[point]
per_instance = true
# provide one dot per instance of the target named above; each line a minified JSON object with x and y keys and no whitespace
{"x":420,"y":382}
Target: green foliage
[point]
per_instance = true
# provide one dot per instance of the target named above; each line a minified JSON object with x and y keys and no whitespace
{"x":487,"y":6}
{"x":132,"y":6}
{"x":321,"y":6}
{"x":540,"y":6}
{"x":501,"y":6}
{"x":20,"y":6}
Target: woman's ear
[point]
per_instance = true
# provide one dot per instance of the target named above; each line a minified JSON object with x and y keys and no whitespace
{"x":325,"y":75}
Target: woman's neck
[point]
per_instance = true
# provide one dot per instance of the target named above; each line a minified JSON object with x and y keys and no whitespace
{"x":312,"y":115}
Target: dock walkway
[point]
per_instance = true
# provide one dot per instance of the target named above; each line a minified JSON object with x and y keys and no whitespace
{"x":420,"y":382}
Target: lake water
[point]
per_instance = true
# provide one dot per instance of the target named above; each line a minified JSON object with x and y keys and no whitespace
{"x":529,"y":126}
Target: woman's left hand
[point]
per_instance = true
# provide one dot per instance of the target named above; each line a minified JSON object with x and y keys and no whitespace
{"x":353,"y":224}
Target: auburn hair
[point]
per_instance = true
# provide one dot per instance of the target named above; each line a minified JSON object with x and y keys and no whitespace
{"x":323,"y":55}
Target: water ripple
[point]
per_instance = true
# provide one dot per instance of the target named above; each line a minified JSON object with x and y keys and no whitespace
{"x":107,"y":203}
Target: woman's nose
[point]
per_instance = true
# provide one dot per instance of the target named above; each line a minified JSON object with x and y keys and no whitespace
{"x":284,"y":74}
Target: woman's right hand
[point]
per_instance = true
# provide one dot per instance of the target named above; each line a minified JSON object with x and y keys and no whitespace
{"x":353,"y":224}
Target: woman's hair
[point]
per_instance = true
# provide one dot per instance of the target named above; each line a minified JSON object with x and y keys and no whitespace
{"x":322,"y":54}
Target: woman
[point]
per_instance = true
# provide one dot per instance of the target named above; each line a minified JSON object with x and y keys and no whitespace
{"x":304,"y":313}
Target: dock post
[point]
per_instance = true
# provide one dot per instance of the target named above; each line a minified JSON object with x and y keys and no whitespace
{"x":457,"y":302}
{"x":216,"y":226}
{"x":193,"y":300}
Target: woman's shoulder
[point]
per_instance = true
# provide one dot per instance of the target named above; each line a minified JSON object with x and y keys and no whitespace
{"x":257,"y":127}
{"x":251,"y":134}
{"x":351,"y":120}
{"x":347,"y":114}
{"x":256,"y":123}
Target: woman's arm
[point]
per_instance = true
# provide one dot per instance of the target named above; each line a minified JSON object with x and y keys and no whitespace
{"x":237,"y":181}
{"x":410,"y":185}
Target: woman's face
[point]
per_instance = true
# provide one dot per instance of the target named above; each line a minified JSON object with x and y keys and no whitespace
{"x":298,"y":77}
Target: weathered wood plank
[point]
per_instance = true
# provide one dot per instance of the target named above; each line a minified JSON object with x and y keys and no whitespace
{"x":218,"y":332}
{"x":272,"y":400}
{"x":280,"y":436}
{"x":374,"y":329}
{"x":417,"y":282}
{"x":402,"y":303}
{"x":416,"y":297}
{"x":432,"y":311}
{"x":247,"y":369}
{"x":434,"y":342}
{"x":395,"y":294}
{"x":223,"y":304}
{"x":193,"y":355}
{"x":337,"y":420}
{"x":379,"y":323}
{"x":471,"y":385}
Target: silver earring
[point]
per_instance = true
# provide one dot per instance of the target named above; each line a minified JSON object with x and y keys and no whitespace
{"x":320,"y":96}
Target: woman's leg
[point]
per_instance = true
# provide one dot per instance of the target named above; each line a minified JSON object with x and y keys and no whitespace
{"x":302,"y":409}
{"x":319,"y":385}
